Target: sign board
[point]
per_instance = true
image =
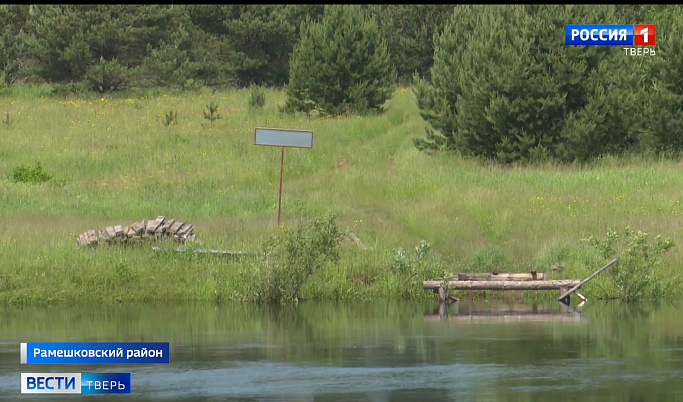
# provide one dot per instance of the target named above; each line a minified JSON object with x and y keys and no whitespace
{"x":280,"y":137}
{"x":277,"y":137}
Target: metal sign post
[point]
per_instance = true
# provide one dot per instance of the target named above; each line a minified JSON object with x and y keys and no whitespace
{"x":277,"y":137}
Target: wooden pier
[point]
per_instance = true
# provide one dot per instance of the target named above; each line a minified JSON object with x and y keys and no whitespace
{"x":495,"y":281}
{"x":517,"y":281}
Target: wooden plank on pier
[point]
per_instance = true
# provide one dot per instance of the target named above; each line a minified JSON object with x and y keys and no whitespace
{"x":524,"y":276}
{"x":504,"y":285}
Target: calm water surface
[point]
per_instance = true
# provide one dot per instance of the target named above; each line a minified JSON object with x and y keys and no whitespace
{"x":370,"y":352}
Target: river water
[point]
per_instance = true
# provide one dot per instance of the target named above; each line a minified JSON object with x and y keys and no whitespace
{"x":404,"y":351}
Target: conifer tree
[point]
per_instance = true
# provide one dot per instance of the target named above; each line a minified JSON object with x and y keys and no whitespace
{"x":340,"y":65}
{"x":505,"y":87}
{"x":664,"y":112}
{"x":409,"y":31}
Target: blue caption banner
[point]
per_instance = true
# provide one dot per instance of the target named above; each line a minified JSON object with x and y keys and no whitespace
{"x":599,"y":34}
{"x":75,"y":383}
{"x":95,"y":352}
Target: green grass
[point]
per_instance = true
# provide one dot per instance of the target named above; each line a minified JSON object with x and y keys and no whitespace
{"x":114,"y":161}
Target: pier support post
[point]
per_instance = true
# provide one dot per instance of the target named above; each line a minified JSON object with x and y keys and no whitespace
{"x":566,"y":299}
{"x":443,"y":294}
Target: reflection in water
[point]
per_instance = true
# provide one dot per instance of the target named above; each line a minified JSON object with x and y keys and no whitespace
{"x":468,"y":311}
{"x":374,"y":352}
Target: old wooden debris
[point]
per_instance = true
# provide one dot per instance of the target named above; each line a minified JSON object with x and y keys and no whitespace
{"x":564,"y":297}
{"x":144,"y":229}
{"x":502,"y":285}
{"x":202,"y":250}
{"x":539,"y":276}
{"x":350,"y":235}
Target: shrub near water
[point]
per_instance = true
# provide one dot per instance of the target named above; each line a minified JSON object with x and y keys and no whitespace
{"x":633,"y":277}
{"x":411,"y":269}
{"x":291,"y":258}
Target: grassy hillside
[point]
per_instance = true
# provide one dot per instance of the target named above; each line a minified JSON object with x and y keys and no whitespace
{"x":115,"y":161}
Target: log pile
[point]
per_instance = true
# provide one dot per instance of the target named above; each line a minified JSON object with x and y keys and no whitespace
{"x":141,"y":230}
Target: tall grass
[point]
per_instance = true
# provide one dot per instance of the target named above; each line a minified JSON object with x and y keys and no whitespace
{"x":115,"y":161}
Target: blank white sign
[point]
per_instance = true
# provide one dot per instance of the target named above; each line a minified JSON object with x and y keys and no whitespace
{"x":278,"y":137}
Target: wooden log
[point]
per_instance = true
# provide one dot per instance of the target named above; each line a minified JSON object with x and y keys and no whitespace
{"x":442,"y":293}
{"x":209,"y":251}
{"x":160,"y":229}
{"x":175,"y":227}
{"x":167,"y":225}
{"x":138,"y":227}
{"x":152,"y":226}
{"x":159,"y":221}
{"x":503,"y":285}
{"x":110,"y":231}
{"x":186,"y":230}
{"x":524,"y":276}
{"x":144,"y":229}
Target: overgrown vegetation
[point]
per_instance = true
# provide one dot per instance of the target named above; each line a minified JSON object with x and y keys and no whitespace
{"x":364,"y":170}
{"x":171,"y":118}
{"x":291,"y":257}
{"x":257,"y":97}
{"x":33,"y":175}
{"x":411,"y":268}
{"x":635,"y":275}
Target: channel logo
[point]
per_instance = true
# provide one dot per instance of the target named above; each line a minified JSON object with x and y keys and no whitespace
{"x":75,"y":383}
{"x":611,"y":35}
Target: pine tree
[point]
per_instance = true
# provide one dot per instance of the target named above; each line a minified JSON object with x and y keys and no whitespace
{"x":505,"y":87}
{"x":409,"y":31}
{"x":340,"y":65}
{"x":664,"y":112}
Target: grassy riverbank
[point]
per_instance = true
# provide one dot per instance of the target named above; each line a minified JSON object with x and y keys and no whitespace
{"x":115,"y":161}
